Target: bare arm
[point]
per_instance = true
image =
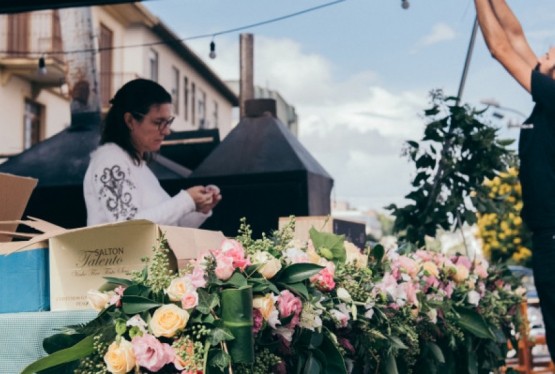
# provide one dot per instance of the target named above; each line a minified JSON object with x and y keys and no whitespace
{"x":513,"y":30}
{"x":500,"y":47}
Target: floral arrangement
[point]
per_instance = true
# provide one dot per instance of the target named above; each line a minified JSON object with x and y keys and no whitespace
{"x":504,"y":236}
{"x":276,"y":305}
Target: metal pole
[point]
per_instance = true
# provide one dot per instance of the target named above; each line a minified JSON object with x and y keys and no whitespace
{"x":467,"y":61}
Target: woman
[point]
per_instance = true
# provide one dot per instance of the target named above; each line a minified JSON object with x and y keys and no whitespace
{"x":119,"y":185}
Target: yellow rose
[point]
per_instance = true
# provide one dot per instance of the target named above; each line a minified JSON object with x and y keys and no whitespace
{"x":461,"y":273}
{"x":120,"y":358}
{"x":167,"y":320}
{"x":177,"y":289}
{"x":430,"y":268}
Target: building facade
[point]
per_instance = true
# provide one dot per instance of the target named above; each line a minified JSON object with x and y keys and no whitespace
{"x":131,"y":42}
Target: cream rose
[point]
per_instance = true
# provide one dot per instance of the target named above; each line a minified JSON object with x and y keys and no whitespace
{"x":120,"y":358}
{"x":167,"y":320}
{"x":268,"y":265}
{"x":355,"y":256}
{"x":178,"y":288}
{"x":266,"y":305}
{"x":430,"y":268}
{"x":461,"y":273}
{"x":99,"y":300}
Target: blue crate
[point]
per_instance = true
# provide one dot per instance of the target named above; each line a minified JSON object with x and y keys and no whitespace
{"x":24,"y":281}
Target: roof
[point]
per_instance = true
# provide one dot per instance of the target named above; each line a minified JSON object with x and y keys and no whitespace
{"x":62,"y":159}
{"x":259,"y":145}
{"x":15,"y":6}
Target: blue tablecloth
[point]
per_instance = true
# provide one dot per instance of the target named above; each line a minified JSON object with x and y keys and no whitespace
{"x":21,"y":335}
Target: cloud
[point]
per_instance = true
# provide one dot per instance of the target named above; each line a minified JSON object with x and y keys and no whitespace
{"x":440,"y":33}
{"x":354,"y":127}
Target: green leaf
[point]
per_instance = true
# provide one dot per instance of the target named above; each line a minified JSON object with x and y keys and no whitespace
{"x":122,"y":281}
{"x":237,"y":318}
{"x":297,"y":288}
{"x":137,"y":304}
{"x":397,"y":343}
{"x":76,"y":352}
{"x":206,"y":301}
{"x":219,"y":359}
{"x":378,"y":252}
{"x":474,"y":323}
{"x":312,"y":365}
{"x":296,"y":273}
{"x":334,"y":363}
{"x":329,"y":243}
{"x":391,"y":364}
{"x":219,"y":335}
{"x":237,"y":280}
{"x":436,"y":351}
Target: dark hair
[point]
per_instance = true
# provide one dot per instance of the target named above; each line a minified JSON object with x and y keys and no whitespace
{"x":136,"y":97}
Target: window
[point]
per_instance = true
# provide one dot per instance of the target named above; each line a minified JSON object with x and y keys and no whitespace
{"x":202,"y":110}
{"x":153,"y":64}
{"x":175,"y":90}
{"x":193,"y":104}
{"x":186,"y":98}
{"x":105,"y":44}
{"x":18,"y":34}
{"x":32,"y":127}
{"x":215,"y":114}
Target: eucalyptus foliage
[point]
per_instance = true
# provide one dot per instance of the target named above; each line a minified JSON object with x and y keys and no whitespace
{"x":456,"y":153}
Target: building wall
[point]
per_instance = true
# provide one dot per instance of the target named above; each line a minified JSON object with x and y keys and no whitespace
{"x":127,"y":64}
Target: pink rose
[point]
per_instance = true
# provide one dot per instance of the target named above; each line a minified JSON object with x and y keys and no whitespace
{"x":197,"y":277}
{"x":151,"y":354}
{"x":189,"y":300}
{"x":234,"y":249}
{"x":324,"y":280}
{"x":224,"y":265}
{"x":289,"y":305}
{"x":462,"y":260}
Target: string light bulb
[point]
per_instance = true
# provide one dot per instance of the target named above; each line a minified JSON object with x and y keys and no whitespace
{"x":405,"y":4}
{"x":212,"y":53}
{"x":42,"y":66}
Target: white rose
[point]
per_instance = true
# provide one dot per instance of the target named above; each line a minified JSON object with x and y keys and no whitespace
{"x":99,"y":300}
{"x":268,"y":265}
{"x":473,"y":298}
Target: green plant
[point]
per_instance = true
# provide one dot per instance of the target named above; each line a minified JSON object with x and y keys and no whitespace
{"x":455,"y":155}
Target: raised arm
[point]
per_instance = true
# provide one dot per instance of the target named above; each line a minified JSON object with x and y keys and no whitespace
{"x":500,"y":47}
{"x":513,"y":30}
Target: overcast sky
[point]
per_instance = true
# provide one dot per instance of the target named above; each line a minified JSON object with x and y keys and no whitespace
{"x":359,"y":73}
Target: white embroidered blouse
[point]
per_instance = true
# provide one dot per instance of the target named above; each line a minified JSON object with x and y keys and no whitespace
{"x":117,"y":189}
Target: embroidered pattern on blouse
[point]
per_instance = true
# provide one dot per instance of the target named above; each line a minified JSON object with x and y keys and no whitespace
{"x":115,"y":191}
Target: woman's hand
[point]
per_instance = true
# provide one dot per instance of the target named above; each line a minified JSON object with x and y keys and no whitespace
{"x":205,"y":198}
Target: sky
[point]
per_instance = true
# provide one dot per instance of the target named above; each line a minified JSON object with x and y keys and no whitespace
{"x":359,"y":73}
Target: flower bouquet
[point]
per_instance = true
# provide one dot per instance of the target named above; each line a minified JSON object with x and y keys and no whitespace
{"x":276,"y":305}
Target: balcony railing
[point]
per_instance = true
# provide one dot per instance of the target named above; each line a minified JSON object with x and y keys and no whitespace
{"x":31,"y":35}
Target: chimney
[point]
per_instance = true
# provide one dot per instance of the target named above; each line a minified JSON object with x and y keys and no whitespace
{"x":246,"y":83}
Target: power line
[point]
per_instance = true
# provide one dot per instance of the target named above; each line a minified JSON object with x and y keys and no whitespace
{"x":173,"y":40}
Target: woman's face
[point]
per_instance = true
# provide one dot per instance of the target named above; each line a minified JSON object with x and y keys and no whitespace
{"x":148,"y":132}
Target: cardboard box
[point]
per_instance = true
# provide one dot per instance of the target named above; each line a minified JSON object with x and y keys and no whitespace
{"x":56,"y":267}
{"x":15,"y":192}
{"x":79,"y":259}
{"x":355,"y":232}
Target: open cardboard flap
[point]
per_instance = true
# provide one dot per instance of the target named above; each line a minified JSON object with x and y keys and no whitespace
{"x":15,"y":193}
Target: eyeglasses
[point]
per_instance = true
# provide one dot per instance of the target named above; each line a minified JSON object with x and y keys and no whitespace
{"x":161,"y":123}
